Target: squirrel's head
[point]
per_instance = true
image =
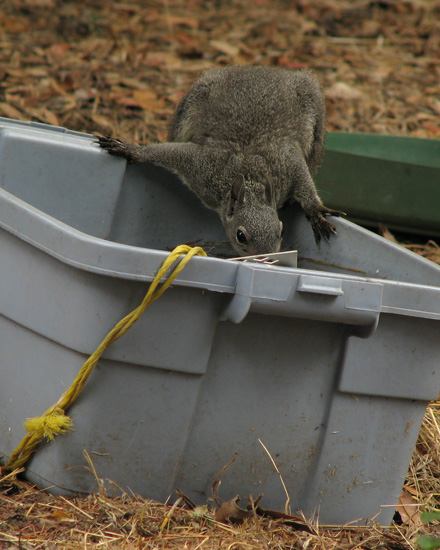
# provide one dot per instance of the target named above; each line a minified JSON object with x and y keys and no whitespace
{"x":251,"y":219}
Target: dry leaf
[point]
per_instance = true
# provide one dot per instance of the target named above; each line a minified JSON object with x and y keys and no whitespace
{"x":412,"y":491}
{"x":59,"y":50}
{"x":217,"y":481}
{"x":163,"y":59}
{"x":102,"y":122}
{"x":340,"y":90}
{"x":188,"y":502}
{"x":129,"y":82}
{"x":61,"y":515}
{"x":50,"y":117}
{"x":225,"y":47}
{"x":11,"y":112}
{"x":148,"y":100}
{"x":370,"y":28}
{"x":432,"y":127}
{"x":297,"y":522}
{"x":128,"y":101}
{"x":408,"y":509}
{"x":192,"y":22}
{"x":230,"y":511}
{"x":188,"y":39}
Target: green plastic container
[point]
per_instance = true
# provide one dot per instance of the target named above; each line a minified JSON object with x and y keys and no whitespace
{"x":383,"y":179}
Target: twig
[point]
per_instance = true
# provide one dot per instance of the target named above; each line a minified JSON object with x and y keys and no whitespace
{"x":287,"y":509}
{"x":76,"y":507}
{"x":99,"y":481}
{"x":166,"y":519}
{"x":217,"y":481}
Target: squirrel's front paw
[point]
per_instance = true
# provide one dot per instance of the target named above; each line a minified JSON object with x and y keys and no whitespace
{"x":114,"y":146}
{"x":320,"y":225}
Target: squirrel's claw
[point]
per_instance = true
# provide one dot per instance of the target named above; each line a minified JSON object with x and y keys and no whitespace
{"x":337,"y":213}
{"x":113,"y":146}
{"x":321,"y":226}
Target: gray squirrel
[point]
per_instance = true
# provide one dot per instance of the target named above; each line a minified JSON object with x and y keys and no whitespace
{"x":246,"y":140}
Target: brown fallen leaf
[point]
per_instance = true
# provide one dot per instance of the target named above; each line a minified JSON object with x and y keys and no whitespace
{"x":50,"y":117}
{"x":148,"y":100}
{"x":59,"y":50}
{"x":163,"y":59}
{"x":102,"y":122}
{"x":191,"y":22}
{"x":128,"y":82}
{"x":230,"y":511}
{"x":431,"y":127}
{"x":408,"y":509}
{"x":341,"y":90}
{"x":61,"y":515}
{"x":128,"y":101}
{"x":297,"y":522}
{"x":188,"y":502}
{"x":11,"y":112}
{"x":225,"y":47}
{"x":217,"y":481}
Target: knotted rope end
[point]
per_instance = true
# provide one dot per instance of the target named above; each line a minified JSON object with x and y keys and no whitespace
{"x":49,"y":425}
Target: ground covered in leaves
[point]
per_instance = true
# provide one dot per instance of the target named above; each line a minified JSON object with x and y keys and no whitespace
{"x":119,"y":68}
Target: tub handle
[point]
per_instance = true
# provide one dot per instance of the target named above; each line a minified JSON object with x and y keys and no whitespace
{"x":290,"y":293}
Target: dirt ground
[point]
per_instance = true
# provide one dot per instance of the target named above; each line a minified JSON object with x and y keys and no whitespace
{"x":120,"y":68}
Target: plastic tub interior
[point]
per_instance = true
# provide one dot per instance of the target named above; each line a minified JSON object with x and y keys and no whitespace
{"x":330,"y":365}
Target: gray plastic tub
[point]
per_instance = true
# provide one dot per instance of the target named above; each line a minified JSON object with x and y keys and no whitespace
{"x":330,"y":364}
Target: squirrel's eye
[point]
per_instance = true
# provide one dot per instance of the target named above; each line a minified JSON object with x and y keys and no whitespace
{"x":241,"y":237}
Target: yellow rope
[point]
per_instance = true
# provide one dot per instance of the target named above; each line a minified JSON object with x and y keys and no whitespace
{"x":54,"y":421}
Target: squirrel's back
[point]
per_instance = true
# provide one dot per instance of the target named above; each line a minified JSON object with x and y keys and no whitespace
{"x":242,"y":106}
{"x":246,"y":140}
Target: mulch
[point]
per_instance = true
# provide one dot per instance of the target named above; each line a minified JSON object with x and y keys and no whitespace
{"x":120,"y":68}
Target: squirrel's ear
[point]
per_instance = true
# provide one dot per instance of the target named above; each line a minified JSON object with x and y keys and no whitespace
{"x":236,"y":195}
{"x":268,"y":190}
{"x":237,"y":189}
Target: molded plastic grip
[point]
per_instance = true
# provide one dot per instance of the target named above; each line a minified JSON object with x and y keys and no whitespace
{"x":290,"y":293}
